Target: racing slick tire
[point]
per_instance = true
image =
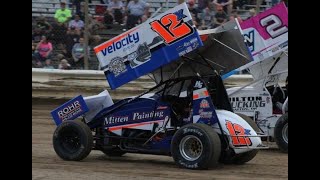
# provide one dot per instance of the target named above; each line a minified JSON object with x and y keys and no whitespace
{"x":114,"y":152}
{"x":232,"y":158}
{"x":196,"y":146}
{"x":281,"y":133}
{"x":72,"y":140}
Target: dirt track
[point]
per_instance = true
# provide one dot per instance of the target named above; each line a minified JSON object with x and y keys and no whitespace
{"x":46,"y":165}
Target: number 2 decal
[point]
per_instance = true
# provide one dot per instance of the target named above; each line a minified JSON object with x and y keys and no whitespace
{"x":237,"y":133}
{"x":273,"y":25}
{"x":171,"y":29}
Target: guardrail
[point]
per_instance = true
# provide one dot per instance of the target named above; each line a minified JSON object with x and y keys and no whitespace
{"x":65,"y":84}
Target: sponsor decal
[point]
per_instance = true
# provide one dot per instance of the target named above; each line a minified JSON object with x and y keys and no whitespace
{"x":115,"y":120}
{"x":69,"y":110}
{"x":248,"y":103}
{"x":117,"y":66}
{"x":137,"y":116}
{"x":249,"y":39}
{"x":147,"y":115}
{"x":141,"y":56}
{"x":204,"y":104}
{"x":205,"y":114}
{"x":117,"y":45}
{"x":198,"y":84}
{"x":237,"y":133}
{"x":172,"y":27}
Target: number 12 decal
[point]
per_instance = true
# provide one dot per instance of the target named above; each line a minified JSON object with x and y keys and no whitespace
{"x":171,"y":29}
{"x":237,"y":133}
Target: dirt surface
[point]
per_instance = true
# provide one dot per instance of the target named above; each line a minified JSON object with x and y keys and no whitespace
{"x":46,"y":165}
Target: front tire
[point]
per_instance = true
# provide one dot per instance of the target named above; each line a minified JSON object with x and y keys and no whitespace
{"x":72,"y":140}
{"x":281,"y":133}
{"x":196,"y":146}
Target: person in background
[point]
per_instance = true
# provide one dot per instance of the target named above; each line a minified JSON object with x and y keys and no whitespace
{"x":202,"y":4}
{"x":63,"y":14}
{"x":77,"y":23}
{"x":116,"y":8}
{"x":108,"y":19}
{"x":78,"y":54}
{"x":207,"y":17}
{"x":43,"y":25}
{"x":48,"y":64}
{"x":220,"y":17}
{"x":252,"y":13}
{"x":44,"y":49}
{"x":135,"y":10}
{"x":194,"y":10}
{"x":64,"y":65}
{"x":72,"y":37}
{"x":226,"y":5}
{"x":234,"y":15}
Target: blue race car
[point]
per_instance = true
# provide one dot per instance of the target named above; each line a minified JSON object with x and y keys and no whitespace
{"x":186,"y":115}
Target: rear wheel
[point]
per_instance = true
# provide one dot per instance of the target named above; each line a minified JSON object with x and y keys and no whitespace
{"x":72,"y":140}
{"x":281,"y":133}
{"x":196,"y":146}
{"x":232,"y":158}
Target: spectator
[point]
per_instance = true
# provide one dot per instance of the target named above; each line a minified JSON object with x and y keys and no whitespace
{"x":72,"y":37}
{"x":62,"y":15}
{"x":44,"y":49}
{"x":220,"y":17}
{"x":147,"y":14}
{"x":194,"y":10}
{"x":64,"y":65}
{"x":78,"y":54}
{"x":108,"y":19}
{"x":58,"y":33}
{"x":76,"y":23}
{"x":252,"y":13}
{"x":94,"y":25}
{"x":136,"y":9}
{"x":238,"y":4}
{"x":95,"y":40}
{"x":43,"y":25}
{"x":234,"y":15}
{"x":193,"y":17}
{"x":207,"y":17}
{"x":116,"y":8}
{"x":226,"y":4}
{"x":48,"y":64}
{"x":77,"y":5}
{"x":202,"y":4}
{"x":36,"y":35}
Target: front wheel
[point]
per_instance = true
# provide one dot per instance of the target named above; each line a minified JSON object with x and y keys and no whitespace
{"x":196,"y":146}
{"x":281,"y":133}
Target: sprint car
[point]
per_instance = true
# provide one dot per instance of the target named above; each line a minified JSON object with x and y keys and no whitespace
{"x":186,"y":115}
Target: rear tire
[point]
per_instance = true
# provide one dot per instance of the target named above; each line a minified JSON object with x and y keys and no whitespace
{"x":196,"y":146}
{"x":281,"y":133}
{"x":72,"y":140}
